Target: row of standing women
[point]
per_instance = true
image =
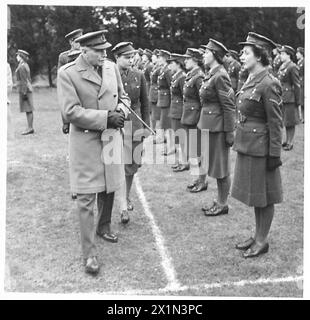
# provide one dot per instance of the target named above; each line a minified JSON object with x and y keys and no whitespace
{"x":183,"y":95}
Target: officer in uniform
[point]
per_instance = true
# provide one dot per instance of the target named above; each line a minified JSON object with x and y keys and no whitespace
{"x":218,"y":116}
{"x":93,"y":100}
{"x":73,"y":54}
{"x":177,"y":67}
{"x":138,"y":63}
{"x":257,"y":180}
{"x":64,"y":59}
{"x":276,"y":63}
{"x":289,"y":76}
{"x":234,"y":68}
{"x":153,"y":92}
{"x":147,"y":66}
{"x":300,"y":54}
{"x":135,"y":86}
{"x":163,"y":102}
{"x":25,"y":88}
{"x":191,"y":111}
{"x":71,"y":36}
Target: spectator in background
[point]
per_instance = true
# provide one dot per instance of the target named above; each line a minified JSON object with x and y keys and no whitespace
{"x":9,"y":91}
{"x":25,"y":88}
{"x":300,"y":54}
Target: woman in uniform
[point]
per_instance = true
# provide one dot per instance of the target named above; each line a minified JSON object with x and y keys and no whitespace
{"x":191,"y":114}
{"x":218,"y":117}
{"x":163,"y":102}
{"x":289,"y":76}
{"x":257,"y":180}
{"x":147,"y":67}
{"x":25,"y":88}
{"x":177,"y":67}
{"x":300,"y":54}
{"x":153,"y":92}
{"x":135,"y":86}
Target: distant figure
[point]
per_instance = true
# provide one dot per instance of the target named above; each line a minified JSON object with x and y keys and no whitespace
{"x":234,"y":68}
{"x":9,"y":91}
{"x":25,"y":88}
{"x":137,"y":62}
{"x":147,"y":67}
{"x":300,"y":54}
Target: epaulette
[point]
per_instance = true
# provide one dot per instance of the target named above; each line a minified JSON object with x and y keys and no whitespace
{"x":69,"y":64}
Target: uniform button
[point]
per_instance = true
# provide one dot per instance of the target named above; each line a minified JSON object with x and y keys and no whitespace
{"x":192,"y":108}
{"x":286,"y":89}
{"x":240,"y":101}
{"x":210,"y":112}
{"x":177,"y":101}
{"x":254,"y":130}
{"x":238,"y":121}
{"x":125,"y":83}
{"x":86,"y":131}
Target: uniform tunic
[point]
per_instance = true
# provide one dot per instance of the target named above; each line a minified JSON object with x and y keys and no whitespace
{"x":218,"y":116}
{"x":192,"y":108}
{"x":24,"y":87}
{"x":301,"y":69}
{"x":86,"y":98}
{"x":135,"y":86}
{"x":164,"y":97}
{"x":147,"y":69}
{"x":258,"y":135}
{"x":153,"y":93}
{"x":233,"y":72}
{"x":289,"y":77}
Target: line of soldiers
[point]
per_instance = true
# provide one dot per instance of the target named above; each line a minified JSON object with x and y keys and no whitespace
{"x":193,"y":92}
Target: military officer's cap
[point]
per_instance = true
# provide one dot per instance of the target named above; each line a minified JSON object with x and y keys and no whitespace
{"x":123,"y":48}
{"x":176,"y":57}
{"x":94,"y":40}
{"x":164,"y":53}
{"x":287,"y":49}
{"x":257,"y":40}
{"x":74,"y":34}
{"x":140,"y":51}
{"x":148,"y":53}
{"x":74,"y":54}
{"x":193,"y":53}
{"x":301,"y":50}
{"x":214,"y":45}
{"x":234,"y":54}
{"x":23,"y":52}
{"x":156,"y":52}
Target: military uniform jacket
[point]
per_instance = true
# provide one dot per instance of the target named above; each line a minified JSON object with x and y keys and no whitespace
{"x":63,"y":58}
{"x":217,"y":100}
{"x":191,"y":99}
{"x":135,"y":86}
{"x":86,"y":99}
{"x":301,"y":70}
{"x":147,"y":69}
{"x":176,"y":88}
{"x":164,"y":82}
{"x":259,"y":125}
{"x":233,"y":72}
{"x":243,"y":75}
{"x":23,"y":78}
{"x":289,"y":76}
{"x":153,"y":93}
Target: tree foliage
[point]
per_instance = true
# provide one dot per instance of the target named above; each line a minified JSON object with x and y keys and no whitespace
{"x":41,"y":29}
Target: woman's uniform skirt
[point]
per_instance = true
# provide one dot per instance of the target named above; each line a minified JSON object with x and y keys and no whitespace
{"x":133,"y":157}
{"x":290,"y":114}
{"x":219,"y":160}
{"x":26,"y":105}
{"x":155,"y":111}
{"x":165,"y":121}
{"x":253,"y":184}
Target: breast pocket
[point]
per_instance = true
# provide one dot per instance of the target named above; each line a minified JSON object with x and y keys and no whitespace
{"x":134,"y":91}
{"x":191,"y":114}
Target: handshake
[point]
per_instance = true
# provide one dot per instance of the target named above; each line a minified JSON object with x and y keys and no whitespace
{"x":116,"y":119}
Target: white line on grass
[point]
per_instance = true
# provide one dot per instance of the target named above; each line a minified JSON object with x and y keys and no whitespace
{"x":209,"y":286}
{"x":166,"y":261}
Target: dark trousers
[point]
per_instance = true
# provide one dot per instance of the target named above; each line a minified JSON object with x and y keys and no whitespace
{"x":85,"y":208}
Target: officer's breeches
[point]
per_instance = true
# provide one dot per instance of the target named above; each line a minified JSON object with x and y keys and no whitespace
{"x":85,"y":208}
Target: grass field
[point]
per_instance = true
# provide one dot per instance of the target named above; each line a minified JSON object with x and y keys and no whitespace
{"x":42,"y":231}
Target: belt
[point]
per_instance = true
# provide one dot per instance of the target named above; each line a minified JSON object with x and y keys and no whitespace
{"x":243,"y":118}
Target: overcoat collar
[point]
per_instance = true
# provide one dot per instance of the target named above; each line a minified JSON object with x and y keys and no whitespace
{"x":254,"y":79}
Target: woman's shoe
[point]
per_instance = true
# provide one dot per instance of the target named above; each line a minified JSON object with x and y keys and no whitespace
{"x":217,"y":210}
{"x":284,"y":144}
{"x":209,"y":207}
{"x":200,"y":186}
{"x":256,"y":250}
{"x":129,"y":205}
{"x":181,"y":167}
{"x":193,"y":184}
{"x":288,"y":147}
{"x":245,"y":245}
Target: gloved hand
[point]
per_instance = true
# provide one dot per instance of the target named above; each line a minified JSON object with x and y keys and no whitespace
{"x":66,"y":128}
{"x":273,"y":163}
{"x":25,"y":97}
{"x":115,"y":119}
{"x":229,"y":138}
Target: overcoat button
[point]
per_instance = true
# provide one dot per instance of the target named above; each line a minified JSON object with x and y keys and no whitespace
{"x":240,"y":101}
{"x":86,"y":131}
